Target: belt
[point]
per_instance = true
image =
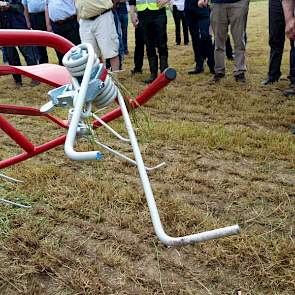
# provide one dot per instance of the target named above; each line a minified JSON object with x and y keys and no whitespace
{"x":96,"y":16}
{"x":63,"y":21}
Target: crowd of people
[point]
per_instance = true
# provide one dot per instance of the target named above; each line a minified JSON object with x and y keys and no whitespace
{"x":104,"y":24}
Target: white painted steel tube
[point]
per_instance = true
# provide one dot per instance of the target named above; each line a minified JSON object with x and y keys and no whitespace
{"x":164,"y":238}
{"x":71,"y":135}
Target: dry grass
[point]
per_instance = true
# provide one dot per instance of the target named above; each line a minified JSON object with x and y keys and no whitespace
{"x":231,"y":159}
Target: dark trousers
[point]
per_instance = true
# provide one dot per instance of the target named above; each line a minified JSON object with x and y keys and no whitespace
{"x":68,"y":30}
{"x":155,"y":36}
{"x":14,"y":60}
{"x":139,"y":47}
{"x":38,"y":23}
{"x":277,"y":40}
{"x":202,"y":43}
{"x":179,"y":18}
{"x":228,"y":48}
{"x":123,"y":17}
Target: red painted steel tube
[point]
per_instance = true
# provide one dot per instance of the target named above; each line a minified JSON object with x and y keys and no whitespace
{"x":32,"y":37}
{"x":17,"y":136}
{"x":38,"y":150}
{"x":29,"y":111}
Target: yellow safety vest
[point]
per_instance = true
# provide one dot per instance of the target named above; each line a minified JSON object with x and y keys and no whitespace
{"x":142,"y":5}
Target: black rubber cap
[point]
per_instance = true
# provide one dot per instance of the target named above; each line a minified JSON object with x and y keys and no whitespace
{"x":170,"y":74}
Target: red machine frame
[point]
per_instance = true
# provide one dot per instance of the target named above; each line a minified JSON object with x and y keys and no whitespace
{"x":53,"y":75}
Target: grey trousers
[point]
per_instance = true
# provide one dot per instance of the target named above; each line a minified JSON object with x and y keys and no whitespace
{"x":233,"y":14}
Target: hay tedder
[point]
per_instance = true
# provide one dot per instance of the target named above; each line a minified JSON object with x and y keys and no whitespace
{"x":83,"y":85}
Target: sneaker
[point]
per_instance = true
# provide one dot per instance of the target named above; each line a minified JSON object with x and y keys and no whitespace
{"x":290,"y":91}
{"x":151,"y":79}
{"x":269,"y":81}
{"x":18,"y":85}
{"x":196,"y":71}
{"x":217,"y":77}
{"x":134,"y":72}
{"x":240,"y":78}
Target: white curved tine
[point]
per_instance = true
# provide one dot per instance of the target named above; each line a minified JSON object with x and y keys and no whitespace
{"x":116,"y":153}
{"x":109,"y":128}
{"x":14,"y":204}
{"x":8,"y":178}
{"x":167,"y":240}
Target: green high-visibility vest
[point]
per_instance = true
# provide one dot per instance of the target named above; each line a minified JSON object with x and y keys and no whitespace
{"x":142,"y":5}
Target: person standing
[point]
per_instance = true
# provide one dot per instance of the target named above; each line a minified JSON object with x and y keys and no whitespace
{"x":151,"y":14}
{"x":223,"y":14}
{"x":179,"y":19}
{"x":276,"y":42}
{"x":97,"y":27}
{"x":34,"y":11}
{"x":12,"y":17}
{"x":61,"y":19}
{"x":198,"y":20}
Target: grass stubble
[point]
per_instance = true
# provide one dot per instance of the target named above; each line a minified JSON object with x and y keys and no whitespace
{"x":230,"y":159}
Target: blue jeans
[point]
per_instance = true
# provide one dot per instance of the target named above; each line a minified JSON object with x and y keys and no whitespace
{"x":123,"y":18}
{"x":14,"y":60}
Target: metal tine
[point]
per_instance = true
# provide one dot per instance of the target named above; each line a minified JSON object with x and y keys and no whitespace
{"x":109,"y":128}
{"x":116,"y":153}
{"x":14,"y":204}
{"x":10,"y":179}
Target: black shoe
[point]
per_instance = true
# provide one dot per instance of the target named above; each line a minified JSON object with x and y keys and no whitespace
{"x":230,"y":57}
{"x":290,"y":91}
{"x":269,"y":81}
{"x":177,"y":44}
{"x":18,"y":85}
{"x":240,"y":78}
{"x":134,"y":71}
{"x":212,"y":71}
{"x":151,"y":79}
{"x":196,"y":71}
{"x":217,"y":77}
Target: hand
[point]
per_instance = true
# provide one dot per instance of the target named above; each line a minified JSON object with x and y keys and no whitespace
{"x":161,"y":3}
{"x":290,"y":29}
{"x":203,"y":3}
{"x":49,"y":28}
{"x":4,"y":7}
{"x":134,"y":19}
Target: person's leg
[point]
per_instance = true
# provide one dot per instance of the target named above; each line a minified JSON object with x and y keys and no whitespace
{"x":206,"y":45}
{"x":184,"y":28}
{"x":124,"y":27}
{"x":105,"y":33}
{"x":238,"y":13}
{"x":219,"y":23}
{"x":228,"y":48}
{"x":151,"y":43}
{"x":176,"y":17}
{"x":38,"y":23}
{"x":139,"y":45}
{"x":276,"y":38}
{"x":193,"y":24}
{"x":14,"y":60}
{"x":29,"y":55}
{"x":291,"y":90}
{"x":161,"y":39}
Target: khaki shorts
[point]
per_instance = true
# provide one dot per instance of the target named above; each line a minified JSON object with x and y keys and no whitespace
{"x":101,"y":34}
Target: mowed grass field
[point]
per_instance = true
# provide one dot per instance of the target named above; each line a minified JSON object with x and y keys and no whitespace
{"x":230,"y":159}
